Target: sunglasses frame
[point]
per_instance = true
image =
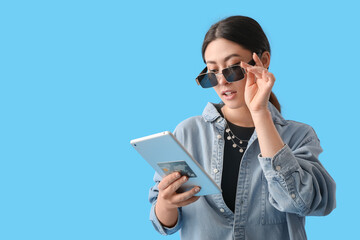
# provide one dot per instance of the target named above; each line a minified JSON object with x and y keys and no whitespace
{"x":204,"y":72}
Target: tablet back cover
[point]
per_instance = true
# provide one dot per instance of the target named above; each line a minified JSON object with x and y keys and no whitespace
{"x":166,"y":155}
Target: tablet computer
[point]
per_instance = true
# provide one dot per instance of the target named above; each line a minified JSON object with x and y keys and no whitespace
{"x":167,"y":155}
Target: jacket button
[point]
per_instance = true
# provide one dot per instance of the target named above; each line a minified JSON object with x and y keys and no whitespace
{"x":278,"y":168}
{"x":222,"y":210}
{"x":216,"y":170}
{"x":219,"y":136}
{"x":293,"y":196}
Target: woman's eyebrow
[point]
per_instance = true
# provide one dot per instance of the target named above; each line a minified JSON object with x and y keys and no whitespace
{"x":225,"y":59}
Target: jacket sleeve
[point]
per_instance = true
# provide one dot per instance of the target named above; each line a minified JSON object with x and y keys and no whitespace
{"x":157,"y":225}
{"x":153,"y":194}
{"x":297,"y":181}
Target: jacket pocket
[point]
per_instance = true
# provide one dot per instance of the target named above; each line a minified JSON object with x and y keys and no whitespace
{"x":269,"y":214}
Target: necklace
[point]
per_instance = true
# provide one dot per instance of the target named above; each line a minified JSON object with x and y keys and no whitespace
{"x":232,"y":137}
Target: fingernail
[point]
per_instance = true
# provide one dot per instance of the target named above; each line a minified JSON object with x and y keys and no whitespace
{"x":197,"y":189}
{"x":184,"y":178}
{"x":177,"y":175}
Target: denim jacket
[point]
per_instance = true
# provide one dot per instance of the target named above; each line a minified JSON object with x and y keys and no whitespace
{"x":273,"y":194}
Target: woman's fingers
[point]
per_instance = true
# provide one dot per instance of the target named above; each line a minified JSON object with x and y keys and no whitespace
{"x":271,"y":77}
{"x":245,"y":65}
{"x":258,"y":63}
{"x":185,"y":198}
{"x":168,"y":180}
{"x":264,"y":76}
{"x":261,"y":73}
{"x":256,"y":70}
{"x":187,"y":202}
{"x":250,"y":79}
{"x":268,"y":77}
{"x":172,"y":188}
{"x":257,"y":60}
{"x":171,"y":197}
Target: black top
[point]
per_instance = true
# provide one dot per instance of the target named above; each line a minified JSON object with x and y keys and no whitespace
{"x":231,"y":162}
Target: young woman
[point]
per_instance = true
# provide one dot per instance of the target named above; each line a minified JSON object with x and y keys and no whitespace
{"x":267,"y":166}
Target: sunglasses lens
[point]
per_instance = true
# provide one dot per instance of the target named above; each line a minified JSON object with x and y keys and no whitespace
{"x":233,"y":74}
{"x":207,"y":80}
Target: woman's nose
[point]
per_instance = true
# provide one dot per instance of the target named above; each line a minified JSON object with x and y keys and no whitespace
{"x":220,"y":78}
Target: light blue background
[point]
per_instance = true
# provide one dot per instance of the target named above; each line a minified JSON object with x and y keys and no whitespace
{"x":80,"y":79}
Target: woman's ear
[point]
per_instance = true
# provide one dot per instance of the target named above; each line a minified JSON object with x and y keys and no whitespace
{"x":265,"y":59}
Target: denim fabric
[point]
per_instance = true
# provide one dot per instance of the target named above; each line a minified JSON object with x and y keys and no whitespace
{"x":273,"y":194}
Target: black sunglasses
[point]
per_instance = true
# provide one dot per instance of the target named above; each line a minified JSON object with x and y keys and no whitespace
{"x":232,"y":74}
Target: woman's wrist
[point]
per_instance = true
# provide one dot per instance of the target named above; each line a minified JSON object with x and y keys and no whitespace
{"x":270,"y":141}
{"x":260,"y":114}
{"x":167,"y":217}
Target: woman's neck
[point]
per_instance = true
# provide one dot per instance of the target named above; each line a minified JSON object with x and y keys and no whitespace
{"x":240,"y":116}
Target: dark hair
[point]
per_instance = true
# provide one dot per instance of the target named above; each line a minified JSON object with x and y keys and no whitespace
{"x":244,"y":31}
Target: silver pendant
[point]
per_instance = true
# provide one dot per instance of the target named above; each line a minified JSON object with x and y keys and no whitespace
{"x":228,"y":138}
{"x":234,"y":145}
{"x":241,"y":150}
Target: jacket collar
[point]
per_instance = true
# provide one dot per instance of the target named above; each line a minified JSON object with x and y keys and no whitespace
{"x":210,"y":113}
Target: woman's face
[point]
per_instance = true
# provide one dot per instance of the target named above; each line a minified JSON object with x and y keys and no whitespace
{"x":220,"y":54}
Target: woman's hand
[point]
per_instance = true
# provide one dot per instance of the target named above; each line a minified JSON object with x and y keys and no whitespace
{"x":259,"y":83}
{"x":169,"y":200}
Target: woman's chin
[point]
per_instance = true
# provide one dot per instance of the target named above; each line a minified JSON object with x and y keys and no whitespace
{"x":234,"y":105}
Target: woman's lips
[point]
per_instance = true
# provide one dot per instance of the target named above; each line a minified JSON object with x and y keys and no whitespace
{"x":228,"y":94}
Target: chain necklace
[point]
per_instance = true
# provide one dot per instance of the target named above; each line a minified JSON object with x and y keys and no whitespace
{"x":232,"y":137}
